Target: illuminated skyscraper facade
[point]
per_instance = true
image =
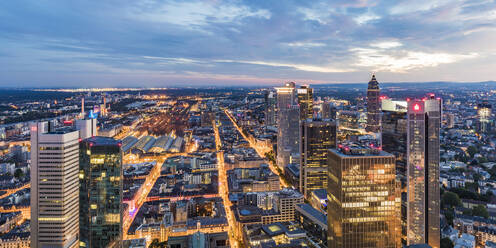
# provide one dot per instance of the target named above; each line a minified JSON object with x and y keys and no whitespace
{"x":364,"y":201}
{"x":373,"y":106}
{"x":305,"y":100}
{"x":484,"y":112}
{"x":423,"y":207}
{"x":394,"y":141}
{"x":54,"y":186}
{"x":270,"y":108}
{"x":100,"y":196}
{"x":317,"y":137}
{"x":288,"y":116}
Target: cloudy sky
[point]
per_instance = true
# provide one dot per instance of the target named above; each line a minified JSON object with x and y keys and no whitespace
{"x":81,"y":43}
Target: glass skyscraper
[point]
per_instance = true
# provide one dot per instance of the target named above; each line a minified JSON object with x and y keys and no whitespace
{"x":100,"y":195}
{"x":317,"y":137}
{"x":423,"y":207}
{"x":364,"y":201}
{"x":288,"y":124}
{"x":373,"y":106}
{"x":305,"y":100}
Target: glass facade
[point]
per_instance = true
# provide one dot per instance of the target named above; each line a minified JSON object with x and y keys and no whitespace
{"x":305,"y":100}
{"x":394,"y":141}
{"x":100,"y":197}
{"x":373,"y":106}
{"x":423,"y":209}
{"x":364,"y":200}
{"x":317,"y":137}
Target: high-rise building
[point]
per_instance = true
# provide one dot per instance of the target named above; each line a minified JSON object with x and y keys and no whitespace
{"x":484,"y":112}
{"x":87,"y":128}
{"x":394,"y":131}
{"x":423,"y":207}
{"x":305,"y":100}
{"x":394,"y":141}
{"x":363,"y":193}
{"x":286,"y":95}
{"x":373,"y":106}
{"x":54,"y":186}
{"x":270,"y":108}
{"x":288,"y":117}
{"x":100,"y":192}
{"x":328,"y":111}
{"x":317,"y":137}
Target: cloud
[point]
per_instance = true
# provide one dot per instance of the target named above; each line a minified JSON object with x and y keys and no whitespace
{"x":166,"y":41}
{"x":196,"y":13}
{"x":302,"y":67}
{"x":403,"y":60}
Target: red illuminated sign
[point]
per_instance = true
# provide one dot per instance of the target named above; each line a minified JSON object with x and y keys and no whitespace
{"x":416,"y":107}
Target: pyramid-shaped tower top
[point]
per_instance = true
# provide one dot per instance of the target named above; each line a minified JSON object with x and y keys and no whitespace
{"x":373,"y":84}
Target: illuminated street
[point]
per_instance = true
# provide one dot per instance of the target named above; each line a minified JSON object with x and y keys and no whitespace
{"x":12,"y":191}
{"x":224,"y":192}
{"x":141,"y":196}
{"x":260,"y":151}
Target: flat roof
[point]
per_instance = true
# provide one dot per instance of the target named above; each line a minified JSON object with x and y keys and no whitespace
{"x":102,"y":141}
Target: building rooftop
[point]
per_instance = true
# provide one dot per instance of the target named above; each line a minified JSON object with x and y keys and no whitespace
{"x":103,"y":141}
{"x":354,"y":150}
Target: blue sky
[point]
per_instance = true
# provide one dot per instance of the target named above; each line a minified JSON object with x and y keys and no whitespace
{"x":140,"y":43}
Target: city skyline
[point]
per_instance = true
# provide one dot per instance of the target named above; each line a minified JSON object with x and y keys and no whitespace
{"x":197,"y":43}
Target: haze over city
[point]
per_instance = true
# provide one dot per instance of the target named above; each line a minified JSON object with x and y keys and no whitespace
{"x":169,"y":43}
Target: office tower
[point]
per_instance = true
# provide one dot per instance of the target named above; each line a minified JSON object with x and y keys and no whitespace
{"x":328,"y":111}
{"x":100,"y":192}
{"x":87,"y":128}
{"x":373,"y":106}
{"x":82,"y":109}
{"x":363,"y":209}
{"x":394,"y":141}
{"x":394,"y":131}
{"x":305,"y":100}
{"x":54,"y":186}
{"x":288,"y":135}
{"x":270,"y":108}
{"x":484,"y":111}
{"x":423,"y":172}
{"x":317,"y":137}
{"x":288,"y":116}
{"x":286,"y":95}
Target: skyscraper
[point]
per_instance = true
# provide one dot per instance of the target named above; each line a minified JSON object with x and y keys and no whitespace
{"x":270,"y":108}
{"x":288,"y":135}
{"x":373,"y":106}
{"x":317,"y":137}
{"x":394,"y":141}
{"x":305,"y":100}
{"x":328,"y":111}
{"x":423,"y":206}
{"x":54,"y":186}
{"x":288,"y":116}
{"x":363,"y":208}
{"x":86,"y":127}
{"x":484,"y":112}
{"x":100,"y":192}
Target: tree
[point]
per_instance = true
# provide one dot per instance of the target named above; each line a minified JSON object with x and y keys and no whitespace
{"x":18,"y":173}
{"x":446,"y":243}
{"x":480,"y":210}
{"x":451,"y":199}
{"x":449,"y":217}
{"x":472,"y":150}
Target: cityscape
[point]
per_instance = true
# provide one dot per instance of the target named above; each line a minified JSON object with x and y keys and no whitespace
{"x":216,"y":124}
